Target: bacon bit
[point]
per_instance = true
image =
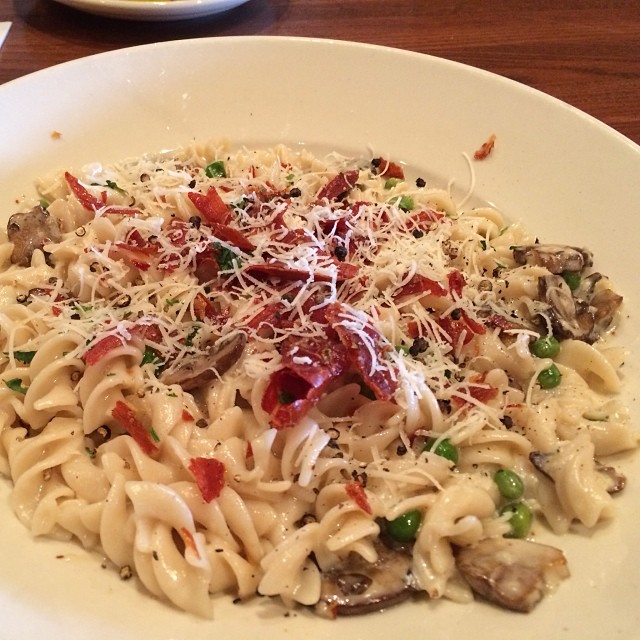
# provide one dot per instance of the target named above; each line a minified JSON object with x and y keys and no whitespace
{"x":283,"y":272}
{"x":186,"y":416}
{"x":101,"y":348}
{"x":232,"y":236}
{"x":150,"y":332}
{"x":86,"y":199}
{"x":189,"y":541}
{"x":462,"y":326}
{"x":500,"y":322}
{"x":485,"y":149}
{"x":133,"y":256}
{"x":176,"y":231}
{"x":457,"y":283}
{"x":127,"y":419}
{"x":204,"y":309}
{"x":388,"y":169}
{"x":122,"y":211}
{"x":424,"y":220}
{"x":357,"y":493}
{"x":420,"y":284}
{"x":207,"y":267}
{"x":338,"y":186}
{"x":380,"y":381}
{"x":482,"y":393}
{"x":309,"y":365}
{"x":209,"y":476}
{"x":211,"y":206}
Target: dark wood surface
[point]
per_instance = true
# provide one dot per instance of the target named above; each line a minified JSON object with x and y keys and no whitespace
{"x":585,"y":52}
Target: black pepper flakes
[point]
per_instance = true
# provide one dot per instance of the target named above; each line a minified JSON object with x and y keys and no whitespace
{"x":417,"y":233}
{"x":340,"y":252}
{"x":125,"y":572}
{"x":420,"y":183}
{"x":295,"y":193}
{"x":419,"y":346}
{"x":507,"y":421}
{"x":195,"y":221}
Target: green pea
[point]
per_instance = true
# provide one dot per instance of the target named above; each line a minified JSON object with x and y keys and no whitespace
{"x":509,"y":484}
{"x":572,"y":278}
{"x":550,"y":377}
{"x":444,"y":448}
{"x":545,"y":347}
{"x":520,"y":520}
{"x":392,"y":182}
{"x":404,"y":202}
{"x":405,"y":527}
{"x":215,"y":170}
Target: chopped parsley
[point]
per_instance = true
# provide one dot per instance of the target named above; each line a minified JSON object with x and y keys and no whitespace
{"x":22,"y":356}
{"x":15,"y":384}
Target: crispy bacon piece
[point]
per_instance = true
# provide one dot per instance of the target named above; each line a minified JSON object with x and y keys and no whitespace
{"x":462,"y":326}
{"x":204,"y":309}
{"x":485,"y":149}
{"x":356,"y":492}
{"x":424,"y":220}
{"x":211,"y":206}
{"x":309,"y":365}
{"x":283,"y":272}
{"x":101,"y":348}
{"x":86,"y":199}
{"x":339,"y":186}
{"x":359,"y":348}
{"x":127,"y":419}
{"x":232,"y":236}
{"x":209,"y":476}
{"x":387,"y":169}
{"x":456,"y":282}
{"x":478,"y":390}
{"x":420,"y":284}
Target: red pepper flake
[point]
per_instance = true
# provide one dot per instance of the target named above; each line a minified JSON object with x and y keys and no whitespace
{"x":186,"y":416}
{"x":127,"y":419}
{"x":209,"y":476}
{"x":485,"y":149}
{"x":357,"y":493}
{"x":189,"y":542}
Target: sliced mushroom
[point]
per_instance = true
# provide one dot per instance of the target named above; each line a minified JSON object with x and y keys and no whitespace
{"x":605,"y":303}
{"x":515,"y":574}
{"x":29,"y":231}
{"x":357,"y":586}
{"x":555,"y":258}
{"x":196,"y":371}
{"x":570,"y":317}
{"x":614,"y":481}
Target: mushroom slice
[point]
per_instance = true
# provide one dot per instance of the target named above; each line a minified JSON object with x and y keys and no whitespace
{"x":570,"y":318}
{"x":614,"y":481}
{"x":555,"y":258}
{"x":196,"y":371}
{"x":515,"y":574}
{"x":29,"y":231}
{"x":357,"y":586}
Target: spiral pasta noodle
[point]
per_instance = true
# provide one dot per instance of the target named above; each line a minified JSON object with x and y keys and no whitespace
{"x":265,"y":372}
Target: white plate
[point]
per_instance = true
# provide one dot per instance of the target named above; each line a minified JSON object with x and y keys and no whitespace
{"x":156,"y":10}
{"x":569,"y":177}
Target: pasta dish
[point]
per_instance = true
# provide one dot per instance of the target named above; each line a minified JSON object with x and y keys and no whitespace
{"x":247,"y":372}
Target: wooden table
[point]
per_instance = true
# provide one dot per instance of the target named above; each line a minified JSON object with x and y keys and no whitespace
{"x":585,"y":52}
